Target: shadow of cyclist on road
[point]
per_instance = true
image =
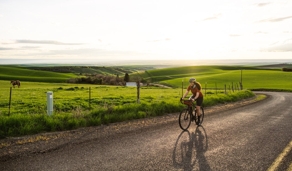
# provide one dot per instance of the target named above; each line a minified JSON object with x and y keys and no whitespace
{"x":189,"y":150}
{"x":200,"y":140}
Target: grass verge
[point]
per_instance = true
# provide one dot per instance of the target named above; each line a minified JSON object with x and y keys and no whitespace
{"x":20,"y":124}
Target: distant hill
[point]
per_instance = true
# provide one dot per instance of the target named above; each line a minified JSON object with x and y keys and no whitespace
{"x":59,"y":73}
{"x":158,"y":75}
{"x":252,"y":77}
{"x":277,"y":66}
{"x":83,"y":70}
{"x":24,"y":74}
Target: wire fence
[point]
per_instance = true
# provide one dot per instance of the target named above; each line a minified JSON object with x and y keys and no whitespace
{"x":228,"y":88}
{"x":66,"y":99}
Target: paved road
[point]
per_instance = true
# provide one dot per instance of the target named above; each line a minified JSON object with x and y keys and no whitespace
{"x":253,"y":137}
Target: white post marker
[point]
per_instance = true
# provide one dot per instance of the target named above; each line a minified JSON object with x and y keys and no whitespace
{"x":49,"y":102}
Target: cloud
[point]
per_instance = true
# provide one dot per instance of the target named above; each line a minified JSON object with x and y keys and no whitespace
{"x":234,"y":35}
{"x":275,"y":43}
{"x":275,"y":19}
{"x":46,"y":42}
{"x":288,"y":40}
{"x":84,"y":53}
{"x":20,"y":48}
{"x":262,"y":4}
{"x":3,"y":48}
{"x":30,"y":47}
{"x":215,"y":17}
{"x":287,"y":47}
{"x":159,"y":40}
{"x":261,"y":32}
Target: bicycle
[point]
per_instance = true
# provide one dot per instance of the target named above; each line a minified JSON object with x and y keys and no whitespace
{"x":189,"y":114}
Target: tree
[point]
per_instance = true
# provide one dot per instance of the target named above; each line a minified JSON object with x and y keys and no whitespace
{"x":127,"y":77}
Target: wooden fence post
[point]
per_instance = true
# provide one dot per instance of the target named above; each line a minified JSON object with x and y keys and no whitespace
{"x":182,"y":86}
{"x":205,"y":88}
{"x":240,"y":86}
{"x":10,"y":100}
{"x":89,"y":98}
{"x":138,"y":91}
{"x":216,"y":87}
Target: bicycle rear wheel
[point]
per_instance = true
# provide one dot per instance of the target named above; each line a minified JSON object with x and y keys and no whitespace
{"x":184,"y":119}
{"x":201,"y":116}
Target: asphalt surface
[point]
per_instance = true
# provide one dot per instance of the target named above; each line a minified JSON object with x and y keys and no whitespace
{"x":257,"y":136}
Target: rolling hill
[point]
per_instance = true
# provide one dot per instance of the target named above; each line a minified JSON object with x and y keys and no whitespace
{"x":24,"y":74}
{"x":220,"y":76}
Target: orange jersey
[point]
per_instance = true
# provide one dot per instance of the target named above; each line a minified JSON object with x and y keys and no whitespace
{"x":195,"y":90}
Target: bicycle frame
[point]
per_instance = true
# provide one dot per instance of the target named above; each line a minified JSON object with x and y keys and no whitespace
{"x":189,"y":114}
{"x":190,"y":105}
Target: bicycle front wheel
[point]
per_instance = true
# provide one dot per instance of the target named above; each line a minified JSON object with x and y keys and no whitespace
{"x":184,"y":119}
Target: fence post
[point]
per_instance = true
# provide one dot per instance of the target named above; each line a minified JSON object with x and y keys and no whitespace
{"x":89,"y":98}
{"x":206,"y":89}
{"x":182,"y":86}
{"x":138,"y":91}
{"x":238,"y":86}
{"x":10,"y":100}
{"x":49,"y":102}
{"x":241,"y":86}
{"x":216,"y":88}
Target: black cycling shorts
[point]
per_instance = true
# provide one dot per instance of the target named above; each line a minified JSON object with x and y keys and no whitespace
{"x":199,"y":101}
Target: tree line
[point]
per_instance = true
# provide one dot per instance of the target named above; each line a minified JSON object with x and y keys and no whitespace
{"x":287,"y":69}
{"x":101,"y":79}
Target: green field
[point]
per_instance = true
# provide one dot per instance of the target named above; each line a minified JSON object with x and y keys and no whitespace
{"x":79,"y":105}
{"x":219,"y":76}
{"x":19,"y":73}
{"x":31,"y":97}
{"x":72,"y":109}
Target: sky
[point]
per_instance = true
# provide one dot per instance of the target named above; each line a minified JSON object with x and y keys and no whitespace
{"x":68,"y":31}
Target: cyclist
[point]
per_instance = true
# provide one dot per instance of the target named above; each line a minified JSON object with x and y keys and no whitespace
{"x":195,"y":88}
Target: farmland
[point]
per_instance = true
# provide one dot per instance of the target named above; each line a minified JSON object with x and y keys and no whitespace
{"x":252,"y":77}
{"x":78,"y":105}
{"x":19,"y":73}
